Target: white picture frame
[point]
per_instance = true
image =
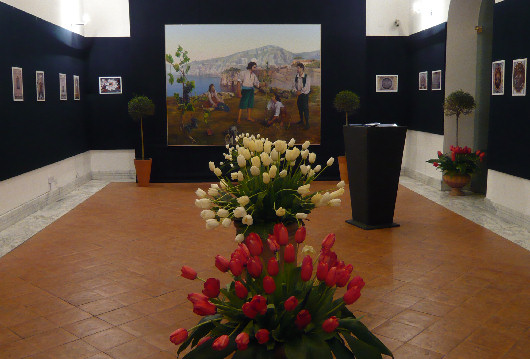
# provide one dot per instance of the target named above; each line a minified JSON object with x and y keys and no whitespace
{"x":40,"y":86}
{"x":110,"y":85}
{"x":519,"y":77}
{"x":422,"y":81}
{"x":386,"y":83}
{"x":63,"y":95}
{"x":18,"y":83}
{"x":436,"y":80}
{"x":77,"y":92}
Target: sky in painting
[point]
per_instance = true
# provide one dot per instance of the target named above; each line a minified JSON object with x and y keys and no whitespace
{"x":210,"y":41}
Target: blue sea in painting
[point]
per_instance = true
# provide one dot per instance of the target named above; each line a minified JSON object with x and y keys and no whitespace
{"x":201,"y":85}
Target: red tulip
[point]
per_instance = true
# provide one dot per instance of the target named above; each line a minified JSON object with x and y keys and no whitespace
{"x":453,"y":156}
{"x":299,"y":236}
{"x":203,"y":340}
{"x":221,"y":342}
{"x":322,"y":271}
{"x":242,"y":340}
{"x":331,"y":278}
{"x":273,"y":267}
{"x":262,"y":336}
{"x":197,"y":297}
{"x":273,"y":243}
{"x":303,"y":318}
{"x":236,"y":267}
{"x":222,"y":263}
{"x":342,"y":277}
{"x":290,"y":303}
{"x":254,"y":244}
{"x":289,"y":254}
{"x":328,"y":242}
{"x":268,"y":285}
{"x":259,"y":304}
{"x":307,"y":268}
{"x":435,"y":164}
{"x":241,"y":290}
{"x":254,"y":266}
{"x":212,"y":287}
{"x":204,"y":307}
{"x":330,"y":324}
{"x":352,"y":295}
{"x":356,"y":282}
{"x":248,"y":310}
{"x":188,"y":272}
{"x":281,"y":234}
{"x":440,"y":154}
{"x":178,"y":336}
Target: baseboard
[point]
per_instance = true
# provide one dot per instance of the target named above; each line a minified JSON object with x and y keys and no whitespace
{"x":423,"y":178}
{"x":114,"y":176}
{"x":508,"y":214}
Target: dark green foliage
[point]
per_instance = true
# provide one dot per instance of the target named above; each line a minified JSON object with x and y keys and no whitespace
{"x":347,"y":102}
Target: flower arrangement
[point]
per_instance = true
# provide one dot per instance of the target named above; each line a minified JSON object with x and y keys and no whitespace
{"x":262,"y":183}
{"x":270,"y":310}
{"x":460,"y":161}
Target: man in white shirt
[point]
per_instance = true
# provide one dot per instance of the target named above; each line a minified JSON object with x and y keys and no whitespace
{"x":247,"y":81}
{"x":302,"y":86}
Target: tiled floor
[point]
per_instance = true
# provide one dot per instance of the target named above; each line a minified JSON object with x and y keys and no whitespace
{"x":103,"y":280}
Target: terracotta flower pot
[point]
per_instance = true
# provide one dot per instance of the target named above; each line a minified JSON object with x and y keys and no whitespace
{"x":456,"y":182}
{"x":143,"y":171}
{"x":343,"y":169}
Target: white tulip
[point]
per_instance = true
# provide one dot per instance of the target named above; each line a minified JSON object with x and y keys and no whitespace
{"x":267,"y":146}
{"x":304,"y":169}
{"x":255,"y":161}
{"x":275,"y":155}
{"x":312,"y":157}
{"x":280,"y":212}
{"x":292,"y":163}
{"x":292,"y":155}
{"x":214,"y":185}
{"x":228,"y":157}
{"x":283,"y":173}
{"x":222,"y":213}
{"x":334,"y":202}
{"x":221,"y":163}
{"x":301,"y":216}
{"x":240,"y":176}
{"x":217,"y":172}
{"x":211,"y":223}
{"x":316,"y":198}
{"x":240,"y":238}
{"x":307,"y":250}
{"x":318,"y":168}
{"x":246,"y":142}
{"x":280,"y":146}
{"x":227,"y":146}
{"x":266,"y":178}
{"x":330,"y":161}
{"x":303,"y":190}
{"x":341,"y":184}
{"x":259,"y":146}
{"x":252,"y":146}
{"x":213,"y":192}
{"x":211,"y":165}
{"x":337,"y":193}
{"x":305,"y":145}
{"x":234,"y":176}
{"x":243,"y":200}
{"x":291,"y":143}
{"x":247,"y":220}
{"x":246,"y":154}
{"x":207,"y":214}
{"x":203,"y":203}
{"x":311,"y":173}
{"x":265,"y":159}
{"x":241,"y":162}
{"x":273,"y":170}
{"x":304,"y":154}
{"x":254,"y":171}
{"x":240,"y":212}
{"x":226,"y":222}
{"x":200,"y":193}
{"x":326,"y":197}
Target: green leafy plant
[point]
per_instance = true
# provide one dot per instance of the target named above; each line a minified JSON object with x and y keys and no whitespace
{"x":140,"y":107}
{"x":459,"y":103}
{"x":347,"y":102}
{"x":460,"y":161}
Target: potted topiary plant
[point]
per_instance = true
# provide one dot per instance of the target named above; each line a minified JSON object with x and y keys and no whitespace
{"x":140,"y":107}
{"x":459,"y":103}
{"x":347,"y":102}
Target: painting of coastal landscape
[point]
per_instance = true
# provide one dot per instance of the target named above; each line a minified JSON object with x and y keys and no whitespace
{"x":223,"y":80}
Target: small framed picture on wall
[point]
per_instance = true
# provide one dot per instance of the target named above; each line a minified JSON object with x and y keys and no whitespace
{"x":110,"y":85}
{"x":519,"y":77}
{"x":436,"y":83}
{"x":386,"y":83}
{"x":39,"y":83}
{"x":497,"y":77}
{"x":18,"y":85}
{"x":77,"y":93}
{"x":62,"y":87}
{"x":422,"y":85}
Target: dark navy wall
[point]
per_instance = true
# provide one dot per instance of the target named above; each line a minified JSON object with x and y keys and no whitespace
{"x":509,"y":127}
{"x":34,"y":134}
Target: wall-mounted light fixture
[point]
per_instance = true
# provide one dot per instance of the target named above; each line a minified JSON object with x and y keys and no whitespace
{"x":478,"y":29}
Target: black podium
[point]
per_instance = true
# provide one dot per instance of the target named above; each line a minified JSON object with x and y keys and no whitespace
{"x":374,"y":157}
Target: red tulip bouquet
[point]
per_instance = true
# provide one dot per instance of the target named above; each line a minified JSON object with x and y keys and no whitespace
{"x":460,"y":161}
{"x":274,"y":308}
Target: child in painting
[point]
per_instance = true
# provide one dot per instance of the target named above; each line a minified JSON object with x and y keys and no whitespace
{"x":277,"y":109}
{"x":215,"y":101}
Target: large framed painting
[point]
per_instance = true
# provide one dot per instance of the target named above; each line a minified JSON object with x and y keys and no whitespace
{"x":222,"y":80}
{"x":497,"y":77}
{"x":519,"y":77}
{"x":40,"y":86}
{"x":386,"y":83}
{"x":18,"y":84}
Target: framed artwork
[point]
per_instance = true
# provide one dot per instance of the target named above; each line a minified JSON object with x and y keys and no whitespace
{"x":422,"y":81}
{"x":497,"y":77}
{"x":77,"y":94}
{"x":39,"y":83}
{"x":110,"y":85}
{"x":519,"y":77}
{"x":18,"y":85}
{"x":232,"y":72}
{"x":436,"y":83}
{"x":386,"y":83}
{"x":62,"y":87}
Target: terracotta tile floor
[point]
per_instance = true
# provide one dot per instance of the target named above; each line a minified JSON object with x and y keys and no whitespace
{"x":103,"y":280}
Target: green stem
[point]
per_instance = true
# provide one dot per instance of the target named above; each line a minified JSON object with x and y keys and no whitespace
{"x":334,"y":309}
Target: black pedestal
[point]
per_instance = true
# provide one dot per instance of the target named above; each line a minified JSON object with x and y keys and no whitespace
{"x":374,"y":157}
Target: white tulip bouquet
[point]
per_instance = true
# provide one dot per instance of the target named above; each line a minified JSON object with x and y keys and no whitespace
{"x":262,"y":183}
